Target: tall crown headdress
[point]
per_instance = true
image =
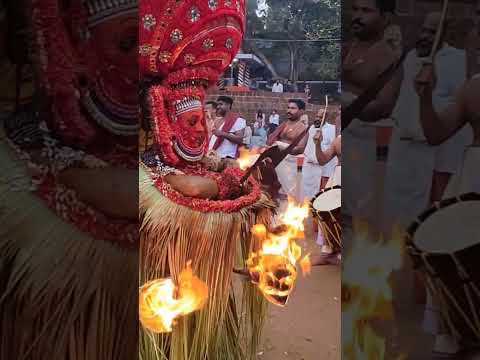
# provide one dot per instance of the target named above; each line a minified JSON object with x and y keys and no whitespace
{"x":189,"y":34}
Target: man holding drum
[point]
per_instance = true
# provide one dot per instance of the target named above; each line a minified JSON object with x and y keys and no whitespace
{"x":439,"y":127}
{"x":328,"y":256}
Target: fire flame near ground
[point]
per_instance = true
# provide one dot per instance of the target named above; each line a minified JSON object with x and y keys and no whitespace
{"x":368,"y":294}
{"x":161,"y":301}
{"x":273,"y":267}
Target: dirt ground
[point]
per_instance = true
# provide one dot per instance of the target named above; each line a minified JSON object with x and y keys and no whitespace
{"x":308,"y":328}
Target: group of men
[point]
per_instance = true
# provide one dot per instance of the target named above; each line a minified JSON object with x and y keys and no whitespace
{"x":436,"y":133}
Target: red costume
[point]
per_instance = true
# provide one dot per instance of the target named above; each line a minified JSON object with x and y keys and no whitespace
{"x":184,"y":47}
{"x":70,"y":271}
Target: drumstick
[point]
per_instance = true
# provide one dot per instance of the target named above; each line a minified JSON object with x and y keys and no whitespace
{"x":325,"y":112}
{"x":438,"y":34}
{"x":436,"y":42}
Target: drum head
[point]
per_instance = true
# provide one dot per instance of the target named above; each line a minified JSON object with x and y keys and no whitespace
{"x":451,"y":228}
{"x":328,"y":200}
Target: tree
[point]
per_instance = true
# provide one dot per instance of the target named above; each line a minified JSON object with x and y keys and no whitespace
{"x":296,"y":20}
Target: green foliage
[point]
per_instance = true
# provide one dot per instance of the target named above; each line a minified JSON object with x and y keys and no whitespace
{"x":297,"y":20}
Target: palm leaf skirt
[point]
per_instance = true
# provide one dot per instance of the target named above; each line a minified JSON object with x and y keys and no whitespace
{"x":63,"y":294}
{"x":229,"y":326}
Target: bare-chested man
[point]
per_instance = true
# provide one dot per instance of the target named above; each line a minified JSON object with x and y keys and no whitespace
{"x":283,"y":136}
{"x":473,"y":45}
{"x":366,"y":56}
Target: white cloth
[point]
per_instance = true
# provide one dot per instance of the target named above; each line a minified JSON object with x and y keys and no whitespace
{"x":228,"y":148}
{"x":287,"y":176}
{"x":408,"y":180}
{"x":274,"y":119}
{"x":450,"y":65}
{"x":277,"y":88}
{"x":359,"y":155}
{"x":411,"y":161}
{"x":247,"y":138}
{"x":329,"y":135}
{"x":311,"y":175}
{"x":312,"y":171}
{"x":449,"y":155}
{"x":467,"y":178}
{"x":336,"y":179}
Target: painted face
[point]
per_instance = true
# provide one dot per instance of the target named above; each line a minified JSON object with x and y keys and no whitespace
{"x":114,"y":46}
{"x":190,"y":135}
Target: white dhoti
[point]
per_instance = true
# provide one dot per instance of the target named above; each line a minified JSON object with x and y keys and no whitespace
{"x":359,"y":157}
{"x":467,"y":178}
{"x":408,"y":180}
{"x":336,"y":178}
{"x":449,"y":155}
{"x":287,"y":176}
{"x":311,"y":175}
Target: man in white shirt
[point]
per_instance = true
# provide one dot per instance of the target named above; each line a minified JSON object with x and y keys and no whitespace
{"x":227,"y":137}
{"x":411,"y":160}
{"x":273,"y":120}
{"x":277,"y":87}
{"x":313,"y":174}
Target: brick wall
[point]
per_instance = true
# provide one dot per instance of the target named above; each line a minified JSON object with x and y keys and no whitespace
{"x":248,"y":103}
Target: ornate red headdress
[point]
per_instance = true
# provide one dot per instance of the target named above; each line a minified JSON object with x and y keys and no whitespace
{"x":87,"y":54}
{"x":185,"y":45}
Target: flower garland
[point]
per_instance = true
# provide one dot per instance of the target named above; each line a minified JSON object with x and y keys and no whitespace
{"x":206,"y":205}
{"x":64,"y":201}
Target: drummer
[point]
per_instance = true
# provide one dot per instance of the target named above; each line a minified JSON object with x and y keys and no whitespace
{"x":328,"y":256}
{"x":439,"y":126}
{"x":323,"y":157}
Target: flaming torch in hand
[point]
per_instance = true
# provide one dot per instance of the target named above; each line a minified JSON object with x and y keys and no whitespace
{"x":161,"y":301}
{"x":273,"y":267}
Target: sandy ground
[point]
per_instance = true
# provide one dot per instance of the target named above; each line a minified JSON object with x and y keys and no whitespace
{"x":308,"y":328}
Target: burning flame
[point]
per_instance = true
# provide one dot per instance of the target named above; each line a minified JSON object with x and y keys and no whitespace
{"x":161,"y":302}
{"x":247,"y":158}
{"x":366,"y":282}
{"x":306,"y":265}
{"x":273,"y":268}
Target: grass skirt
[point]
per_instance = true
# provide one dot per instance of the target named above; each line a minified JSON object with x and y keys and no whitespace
{"x":229,"y":326}
{"x":63,"y":294}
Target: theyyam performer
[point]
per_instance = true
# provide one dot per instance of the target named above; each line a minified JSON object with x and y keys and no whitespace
{"x":193,"y":209}
{"x":68,"y":189}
